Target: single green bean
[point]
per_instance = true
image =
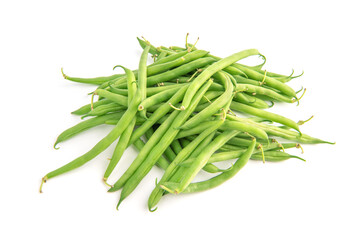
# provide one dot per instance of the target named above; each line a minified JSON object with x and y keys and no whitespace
{"x":104,"y":109}
{"x":157,"y":98}
{"x":86,"y":108}
{"x":153,"y":50}
{"x":250,"y":100}
{"x":264,"y":114}
{"x":121,"y":146}
{"x":85,"y":125}
{"x":161,"y":56}
{"x":176,"y":146}
{"x":96,"y":80}
{"x":179,"y":71}
{"x":122,"y":143}
{"x":142,"y":78}
{"x":114,"y":97}
{"x":275,"y":156}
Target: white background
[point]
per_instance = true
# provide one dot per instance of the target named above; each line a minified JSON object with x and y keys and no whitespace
{"x":288,"y":200}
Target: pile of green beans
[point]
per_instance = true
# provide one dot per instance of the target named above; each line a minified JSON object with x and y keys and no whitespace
{"x":185,"y":112}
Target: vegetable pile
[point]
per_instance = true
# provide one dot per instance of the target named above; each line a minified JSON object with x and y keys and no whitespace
{"x":184,"y":113}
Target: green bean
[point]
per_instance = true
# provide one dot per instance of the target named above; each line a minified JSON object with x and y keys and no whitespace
{"x":264,"y":91}
{"x":232,"y":69}
{"x":200,"y":148}
{"x":140,"y":121}
{"x":104,"y":109}
{"x":169,"y":153}
{"x":195,"y":130}
{"x":122,"y":143}
{"x":264,"y":114}
{"x":272,"y":130}
{"x":228,"y":125}
{"x":233,"y":125}
{"x":199,"y":163}
{"x":153,"y":50}
{"x":272,"y":82}
{"x":214,"y":106}
{"x":178,"y":175}
{"x":159,"y":148}
{"x":121,"y":146}
{"x":155,"y":90}
{"x":212,"y":69}
{"x":162,"y":162}
{"x":85,"y":125}
{"x":144,"y":152}
{"x":142,"y":77}
{"x":185,"y":58}
{"x":244,"y":80}
{"x":233,"y":154}
{"x":179,"y":71}
{"x":250,"y":100}
{"x":157,"y":98}
{"x":96,"y":80}
{"x":181,"y":79}
{"x":184,"y":142}
{"x":86,"y":108}
{"x":161,"y":56}
{"x":159,"y":113}
{"x":280,"y":77}
{"x":176,"y":48}
{"x":229,"y":147}
{"x":102,"y":144}
{"x":209,"y":167}
{"x":161,"y":66}
{"x":209,"y":96}
{"x":131,"y":83}
{"x":223,"y":177}
{"x":114,"y":97}
{"x":257,"y":67}
{"x":167,"y":50}
{"x":275,"y":156}
{"x":170,"y":58}
{"x":176,"y":146}
{"x":157,"y":192}
{"x":142,"y":129}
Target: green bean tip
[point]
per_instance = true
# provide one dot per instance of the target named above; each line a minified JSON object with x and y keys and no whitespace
{"x":63,"y":74}
{"x":140,"y":107}
{"x":118,"y":204}
{"x":44,"y":179}
{"x":105,"y":182}
{"x":152,"y":210}
{"x":170,"y":187}
{"x":56,"y":148}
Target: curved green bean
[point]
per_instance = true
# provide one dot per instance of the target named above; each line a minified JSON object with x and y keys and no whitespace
{"x":212,"y":69}
{"x":223,"y":177}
